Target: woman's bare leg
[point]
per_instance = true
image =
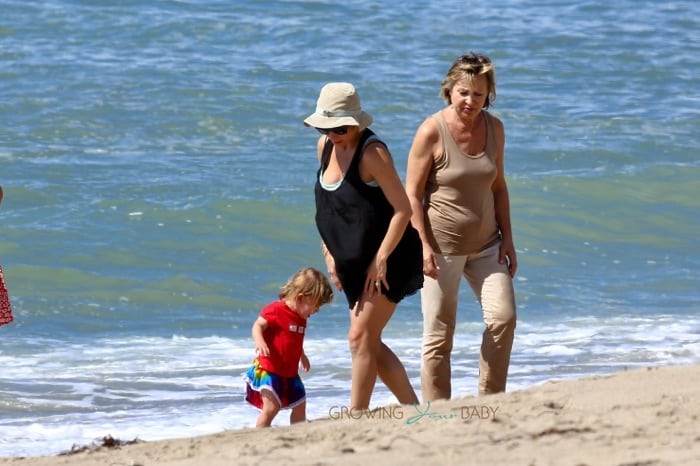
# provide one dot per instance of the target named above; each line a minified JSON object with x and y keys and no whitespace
{"x":371,"y":357}
{"x":393,"y":374}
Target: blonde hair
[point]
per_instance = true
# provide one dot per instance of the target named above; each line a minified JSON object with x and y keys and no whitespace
{"x":470,"y":66}
{"x":308,"y":282}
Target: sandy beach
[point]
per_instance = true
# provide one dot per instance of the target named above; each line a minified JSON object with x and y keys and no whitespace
{"x":641,"y":417}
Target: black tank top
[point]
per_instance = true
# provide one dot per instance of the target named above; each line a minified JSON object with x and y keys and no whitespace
{"x":353,"y":220}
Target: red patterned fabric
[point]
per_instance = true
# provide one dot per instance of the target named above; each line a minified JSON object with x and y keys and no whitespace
{"x":5,"y":308}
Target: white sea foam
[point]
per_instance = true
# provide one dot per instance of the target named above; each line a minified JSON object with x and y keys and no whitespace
{"x":155,"y":388}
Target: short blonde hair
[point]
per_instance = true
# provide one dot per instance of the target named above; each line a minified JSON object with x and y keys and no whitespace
{"x":469,"y":66}
{"x":308,"y":282}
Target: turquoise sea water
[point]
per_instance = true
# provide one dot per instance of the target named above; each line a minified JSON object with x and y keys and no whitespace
{"x":158,"y":191}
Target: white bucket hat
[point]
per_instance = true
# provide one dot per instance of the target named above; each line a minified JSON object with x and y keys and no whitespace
{"x":338,"y":105}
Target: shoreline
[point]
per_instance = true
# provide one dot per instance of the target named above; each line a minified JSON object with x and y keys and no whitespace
{"x":644,"y":416}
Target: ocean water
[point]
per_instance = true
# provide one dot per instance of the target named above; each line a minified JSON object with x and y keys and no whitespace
{"x":158,"y":192}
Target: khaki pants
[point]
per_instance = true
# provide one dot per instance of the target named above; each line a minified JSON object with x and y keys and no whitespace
{"x":493,"y":287}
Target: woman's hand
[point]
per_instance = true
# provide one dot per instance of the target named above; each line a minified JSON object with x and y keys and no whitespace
{"x":430,"y":266}
{"x":330,"y":265}
{"x":376,"y":277}
{"x":506,"y":255}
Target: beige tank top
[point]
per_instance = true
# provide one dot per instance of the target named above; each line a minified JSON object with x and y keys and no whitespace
{"x":459,"y":201}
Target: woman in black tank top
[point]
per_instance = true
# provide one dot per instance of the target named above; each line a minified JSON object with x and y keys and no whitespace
{"x":372,"y":252}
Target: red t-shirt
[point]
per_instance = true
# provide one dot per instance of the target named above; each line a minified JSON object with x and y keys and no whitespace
{"x":284,"y":336}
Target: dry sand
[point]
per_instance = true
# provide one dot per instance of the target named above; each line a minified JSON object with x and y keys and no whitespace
{"x":643,"y":417}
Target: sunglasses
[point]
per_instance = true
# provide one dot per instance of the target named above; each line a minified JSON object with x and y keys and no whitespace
{"x":339,"y":130}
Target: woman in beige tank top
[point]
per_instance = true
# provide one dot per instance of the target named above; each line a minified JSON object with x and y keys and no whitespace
{"x":456,"y":184}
